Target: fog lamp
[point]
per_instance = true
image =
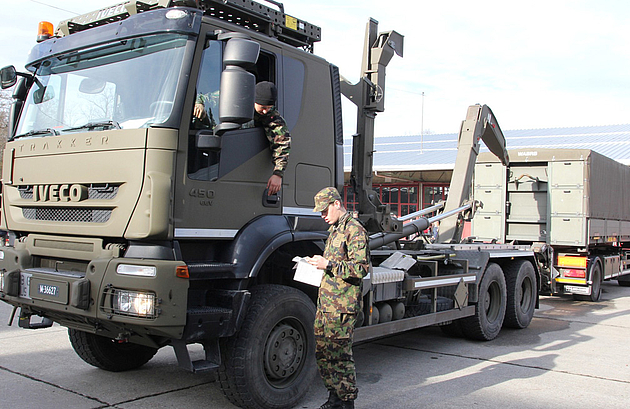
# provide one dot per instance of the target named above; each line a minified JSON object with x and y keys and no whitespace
{"x":134,"y":303}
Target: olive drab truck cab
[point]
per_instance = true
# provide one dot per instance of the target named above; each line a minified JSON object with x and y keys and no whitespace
{"x":138,"y":223}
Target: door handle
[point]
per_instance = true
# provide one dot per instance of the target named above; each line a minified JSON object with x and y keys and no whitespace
{"x":271,"y":200}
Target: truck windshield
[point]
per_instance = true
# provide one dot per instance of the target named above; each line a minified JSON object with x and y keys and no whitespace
{"x":124,"y":84}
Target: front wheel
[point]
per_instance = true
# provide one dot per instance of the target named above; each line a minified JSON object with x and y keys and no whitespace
{"x":109,"y":354}
{"x":486,"y":324}
{"x":270,"y":362}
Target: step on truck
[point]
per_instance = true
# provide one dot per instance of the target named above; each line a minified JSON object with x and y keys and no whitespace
{"x":138,"y":227}
{"x":571,"y":206}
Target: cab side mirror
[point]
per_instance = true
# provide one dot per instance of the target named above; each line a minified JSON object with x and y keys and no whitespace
{"x":8,"y":77}
{"x":238,"y":87}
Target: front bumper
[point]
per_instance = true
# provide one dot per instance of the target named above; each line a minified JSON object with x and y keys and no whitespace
{"x":97,"y":299}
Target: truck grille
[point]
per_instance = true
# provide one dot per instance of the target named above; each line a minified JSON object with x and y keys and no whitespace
{"x":62,"y":214}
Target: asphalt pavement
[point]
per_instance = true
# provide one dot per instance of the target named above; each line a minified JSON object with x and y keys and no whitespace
{"x":573,"y":355}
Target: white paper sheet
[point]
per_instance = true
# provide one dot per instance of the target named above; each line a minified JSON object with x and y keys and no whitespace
{"x":306,"y":273}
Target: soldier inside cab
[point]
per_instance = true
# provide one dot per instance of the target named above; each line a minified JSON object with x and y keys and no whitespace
{"x":266,"y":115}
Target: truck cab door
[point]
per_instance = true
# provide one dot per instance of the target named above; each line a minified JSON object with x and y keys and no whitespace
{"x":227,"y":164}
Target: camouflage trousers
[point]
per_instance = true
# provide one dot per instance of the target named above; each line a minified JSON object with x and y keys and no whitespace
{"x":333,"y":351}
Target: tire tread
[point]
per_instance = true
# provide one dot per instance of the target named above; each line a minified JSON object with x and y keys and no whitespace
{"x":103,"y":353}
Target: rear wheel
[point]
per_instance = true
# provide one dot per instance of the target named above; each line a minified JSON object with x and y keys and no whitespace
{"x":486,"y":324}
{"x":109,"y":354}
{"x":270,"y":362}
{"x":521,"y":294}
{"x":596,"y":286}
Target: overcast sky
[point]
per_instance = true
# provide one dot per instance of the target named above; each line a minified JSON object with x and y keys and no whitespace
{"x":537,"y":64}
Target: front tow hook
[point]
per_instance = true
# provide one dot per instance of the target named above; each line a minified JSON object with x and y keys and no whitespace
{"x":25,"y":322}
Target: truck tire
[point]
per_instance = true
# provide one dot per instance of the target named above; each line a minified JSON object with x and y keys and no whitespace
{"x":424,"y":304}
{"x":520,"y":279}
{"x":490,"y":312}
{"x":107,"y":354}
{"x":596,"y":287}
{"x":270,"y":362}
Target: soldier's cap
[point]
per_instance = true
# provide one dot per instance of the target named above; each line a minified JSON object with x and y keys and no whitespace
{"x":325,"y":197}
{"x":266,"y":93}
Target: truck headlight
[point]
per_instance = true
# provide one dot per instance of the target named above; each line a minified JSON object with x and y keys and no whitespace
{"x":2,"y":281}
{"x":134,"y":303}
{"x":134,"y":270}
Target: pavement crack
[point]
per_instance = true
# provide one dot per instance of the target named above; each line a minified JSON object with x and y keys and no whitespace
{"x":32,"y":378}
{"x":621,"y":381}
{"x":104,"y":405}
{"x":152,"y":395}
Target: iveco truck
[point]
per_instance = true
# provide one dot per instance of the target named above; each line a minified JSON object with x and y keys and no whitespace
{"x":137,"y":226}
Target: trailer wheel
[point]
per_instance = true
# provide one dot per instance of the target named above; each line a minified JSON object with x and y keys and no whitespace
{"x":521,"y":294}
{"x":107,"y":354}
{"x":490,"y":312}
{"x":270,"y":362}
{"x":596,"y":287}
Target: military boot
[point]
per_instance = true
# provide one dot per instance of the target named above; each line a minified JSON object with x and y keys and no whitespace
{"x":333,"y":402}
{"x":347,"y":404}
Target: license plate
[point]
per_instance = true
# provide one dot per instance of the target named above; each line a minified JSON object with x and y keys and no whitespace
{"x":50,"y":290}
{"x":46,"y":289}
{"x":574,"y":289}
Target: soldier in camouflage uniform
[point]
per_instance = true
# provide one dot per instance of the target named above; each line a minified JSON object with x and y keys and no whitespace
{"x":267,"y":116}
{"x":345,"y":262}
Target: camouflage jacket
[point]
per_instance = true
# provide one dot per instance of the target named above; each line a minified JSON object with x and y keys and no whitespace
{"x":347,"y":253}
{"x":279,"y":138}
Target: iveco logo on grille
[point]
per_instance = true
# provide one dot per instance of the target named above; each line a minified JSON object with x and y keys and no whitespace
{"x":59,"y":193}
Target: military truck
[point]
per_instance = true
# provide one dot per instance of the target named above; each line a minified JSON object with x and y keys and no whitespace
{"x":570,"y":205}
{"x":137,"y":226}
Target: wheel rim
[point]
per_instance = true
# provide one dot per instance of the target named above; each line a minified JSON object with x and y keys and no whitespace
{"x":526,"y":294}
{"x":285,"y":352}
{"x":492,"y":303}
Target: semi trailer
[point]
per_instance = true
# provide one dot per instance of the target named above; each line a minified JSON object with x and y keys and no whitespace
{"x":571,"y":206}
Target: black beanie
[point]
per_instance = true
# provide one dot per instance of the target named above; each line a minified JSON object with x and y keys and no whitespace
{"x":266,"y":93}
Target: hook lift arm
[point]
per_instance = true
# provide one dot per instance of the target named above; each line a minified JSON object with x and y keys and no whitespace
{"x":368,"y":96}
{"x":480,"y":123}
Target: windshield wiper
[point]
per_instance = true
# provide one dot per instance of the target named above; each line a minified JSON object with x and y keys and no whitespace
{"x":92,"y":125}
{"x":43,"y":131}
